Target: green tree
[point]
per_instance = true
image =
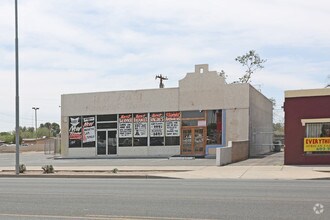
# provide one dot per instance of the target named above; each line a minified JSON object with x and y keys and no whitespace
{"x":252,"y":62}
{"x":7,"y":137}
{"x":14,"y":139}
{"x":273,"y":101}
{"x":43,"y":132}
{"x":4,"y":133}
{"x":27,"y":134}
{"x":55,"y":129}
{"x":48,"y":125}
{"x":49,"y":129}
{"x":223,"y":74}
{"x":278,"y":128}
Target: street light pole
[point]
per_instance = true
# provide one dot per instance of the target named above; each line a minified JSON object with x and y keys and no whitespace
{"x":35,"y":117}
{"x":17,"y":90}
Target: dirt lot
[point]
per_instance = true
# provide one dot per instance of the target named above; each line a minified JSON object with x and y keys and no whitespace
{"x":30,"y":146}
{"x":12,"y":148}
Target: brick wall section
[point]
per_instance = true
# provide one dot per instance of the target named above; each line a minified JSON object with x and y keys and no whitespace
{"x":297,"y":108}
{"x":240,"y":151}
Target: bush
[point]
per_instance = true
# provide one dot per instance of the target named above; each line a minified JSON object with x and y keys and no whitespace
{"x":7,"y":138}
{"x":115,"y":170}
{"x":48,"y":169}
{"x":22,"y":168}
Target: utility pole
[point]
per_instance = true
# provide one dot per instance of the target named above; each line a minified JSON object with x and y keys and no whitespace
{"x":161,"y":77}
{"x":35,"y":117}
{"x":17,"y":90}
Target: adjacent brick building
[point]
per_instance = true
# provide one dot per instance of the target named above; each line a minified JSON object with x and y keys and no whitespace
{"x":307,"y":127}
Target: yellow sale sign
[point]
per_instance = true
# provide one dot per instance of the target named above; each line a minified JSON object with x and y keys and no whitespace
{"x":316,"y":144}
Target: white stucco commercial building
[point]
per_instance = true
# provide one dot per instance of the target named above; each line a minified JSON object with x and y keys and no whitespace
{"x":203,"y":113}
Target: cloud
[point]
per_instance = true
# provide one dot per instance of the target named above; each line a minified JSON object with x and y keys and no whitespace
{"x":88,"y":46}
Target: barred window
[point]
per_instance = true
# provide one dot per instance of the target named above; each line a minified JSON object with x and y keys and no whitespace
{"x":318,"y":129}
{"x":317,"y":137}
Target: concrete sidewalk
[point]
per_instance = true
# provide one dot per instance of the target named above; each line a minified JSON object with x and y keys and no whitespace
{"x":269,"y":166}
{"x":254,"y":172}
{"x":182,"y":172}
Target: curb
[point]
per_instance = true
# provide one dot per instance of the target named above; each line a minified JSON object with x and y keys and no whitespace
{"x":86,"y":176}
{"x":108,"y":157}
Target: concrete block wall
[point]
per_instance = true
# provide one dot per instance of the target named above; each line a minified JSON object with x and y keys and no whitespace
{"x":237,"y":123}
{"x":164,"y":151}
{"x":81,"y":152}
{"x":260,"y":123}
{"x":235,"y":151}
{"x":223,"y":155}
{"x":240,"y":151}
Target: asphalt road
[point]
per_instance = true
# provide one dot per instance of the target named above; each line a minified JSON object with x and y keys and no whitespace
{"x":25,"y":198}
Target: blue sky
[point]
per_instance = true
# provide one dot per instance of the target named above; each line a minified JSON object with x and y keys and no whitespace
{"x":101,"y":45}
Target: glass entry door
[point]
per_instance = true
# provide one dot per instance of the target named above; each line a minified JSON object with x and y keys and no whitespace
{"x":199,"y":141}
{"x":186,"y":142}
{"x":107,"y":142}
{"x":193,"y":141}
{"x":112,"y":142}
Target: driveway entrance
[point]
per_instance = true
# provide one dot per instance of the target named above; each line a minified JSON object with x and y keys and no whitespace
{"x":269,"y":159}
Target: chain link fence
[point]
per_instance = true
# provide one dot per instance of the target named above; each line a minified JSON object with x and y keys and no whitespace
{"x":53,"y":146}
{"x":262,"y":141}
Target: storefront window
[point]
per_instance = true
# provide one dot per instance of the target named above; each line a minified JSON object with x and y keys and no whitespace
{"x":190,"y":123}
{"x":193,"y":114}
{"x":75,"y":131}
{"x":107,"y":121}
{"x":193,"y":118}
{"x":170,"y":141}
{"x":318,"y":129}
{"x":214,"y":127}
{"x":156,"y":141}
{"x":172,"y":126}
{"x":157,"y":129}
{"x":125,"y":130}
{"x":140,"y":142}
{"x":125,"y":142}
{"x":82,"y":131}
{"x":108,"y":118}
{"x":317,"y":138}
{"x":109,"y":125}
{"x":88,"y":131}
{"x":140,"y":129}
